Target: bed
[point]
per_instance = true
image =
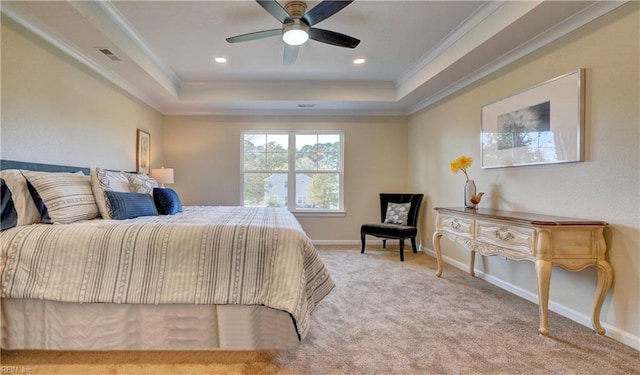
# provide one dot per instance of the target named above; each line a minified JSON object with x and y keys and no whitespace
{"x":203,"y":278}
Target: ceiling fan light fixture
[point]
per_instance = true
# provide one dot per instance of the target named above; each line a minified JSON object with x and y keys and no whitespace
{"x":295,"y":33}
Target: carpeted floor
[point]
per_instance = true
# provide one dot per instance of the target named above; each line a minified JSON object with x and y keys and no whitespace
{"x":385,"y":317}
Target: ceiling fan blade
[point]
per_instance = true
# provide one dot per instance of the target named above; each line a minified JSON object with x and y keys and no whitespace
{"x":324,"y":10}
{"x":276,"y":10}
{"x":333,"y":38}
{"x":290,"y":54}
{"x":254,"y":36}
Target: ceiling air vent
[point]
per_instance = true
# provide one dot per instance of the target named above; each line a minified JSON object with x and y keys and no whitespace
{"x":107,"y":52}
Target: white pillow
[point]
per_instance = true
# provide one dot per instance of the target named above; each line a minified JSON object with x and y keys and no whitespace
{"x":141,"y":183}
{"x":103,"y":181}
{"x":397,"y":213}
{"x":25,"y":208}
{"x":67,"y":196}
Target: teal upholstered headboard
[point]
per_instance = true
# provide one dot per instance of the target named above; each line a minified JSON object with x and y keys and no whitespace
{"x":13,"y":164}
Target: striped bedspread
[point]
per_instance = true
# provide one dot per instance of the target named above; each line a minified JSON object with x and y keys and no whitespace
{"x":204,"y":255}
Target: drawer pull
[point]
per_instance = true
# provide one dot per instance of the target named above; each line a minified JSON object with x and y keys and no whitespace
{"x":503,"y":235}
{"x":455,"y":224}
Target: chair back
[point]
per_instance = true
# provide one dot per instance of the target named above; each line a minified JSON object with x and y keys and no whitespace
{"x":414,"y":199}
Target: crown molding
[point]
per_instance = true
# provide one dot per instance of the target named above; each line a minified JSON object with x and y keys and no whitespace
{"x":587,"y":15}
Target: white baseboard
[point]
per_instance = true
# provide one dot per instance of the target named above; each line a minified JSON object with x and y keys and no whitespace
{"x":337,"y":242}
{"x":615,"y":333}
{"x":371,"y":241}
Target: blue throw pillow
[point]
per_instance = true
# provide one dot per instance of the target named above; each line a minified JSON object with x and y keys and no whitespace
{"x":131,"y":205}
{"x":8,"y":214}
{"x":167,"y":201}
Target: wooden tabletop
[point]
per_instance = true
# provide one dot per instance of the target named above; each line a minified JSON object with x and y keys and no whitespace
{"x":519,"y":217}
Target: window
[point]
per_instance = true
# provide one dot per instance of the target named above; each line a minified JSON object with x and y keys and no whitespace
{"x":308,"y":167}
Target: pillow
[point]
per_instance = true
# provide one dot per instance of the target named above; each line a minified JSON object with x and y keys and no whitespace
{"x":8,"y":214}
{"x":397,"y":213}
{"x":22,"y":201}
{"x":103,"y":181}
{"x":131,"y":205}
{"x":67,"y":197}
{"x":39,"y":204}
{"x":167,"y":201}
{"x":141,"y":183}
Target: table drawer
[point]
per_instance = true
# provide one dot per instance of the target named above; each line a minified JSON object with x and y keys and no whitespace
{"x":506,"y":236}
{"x":455,"y":225}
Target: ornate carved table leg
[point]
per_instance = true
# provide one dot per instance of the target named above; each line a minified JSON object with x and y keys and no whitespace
{"x":543,"y":270}
{"x":436,"y":245}
{"x":472,"y":263}
{"x":605,"y":278}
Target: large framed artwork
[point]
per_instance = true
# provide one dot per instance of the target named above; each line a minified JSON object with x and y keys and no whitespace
{"x":143,"y":151}
{"x":543,"y":124}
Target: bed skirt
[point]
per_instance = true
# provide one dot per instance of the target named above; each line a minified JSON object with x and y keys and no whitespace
{"x":51,"y":325}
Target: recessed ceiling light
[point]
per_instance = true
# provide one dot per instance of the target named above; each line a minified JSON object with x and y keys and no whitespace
{"x":220,"y":59}
{"x":359,"y":60}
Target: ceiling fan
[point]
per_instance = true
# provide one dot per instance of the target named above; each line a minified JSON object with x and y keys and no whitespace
{"x":297,"y":26}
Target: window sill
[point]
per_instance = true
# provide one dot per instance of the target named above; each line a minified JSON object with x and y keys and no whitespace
{"x":319,"y":213}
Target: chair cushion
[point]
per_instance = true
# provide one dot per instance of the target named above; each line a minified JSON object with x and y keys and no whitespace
{"x":389,"y":230}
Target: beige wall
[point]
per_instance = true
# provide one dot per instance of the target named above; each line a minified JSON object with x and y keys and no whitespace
{"x":205,"y":153}
{"x":56,"y":111}
{"x":604,"y":187}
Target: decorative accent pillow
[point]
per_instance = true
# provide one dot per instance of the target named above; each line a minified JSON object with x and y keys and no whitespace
{"x":131,"y":205}
{"x":102,"y":181}
{"x":167,"y":201}
{"x":141,"y":183}
{"x":37,"y":201}
{"x":68,"y":197}
{"x":397,"y":213}
{"x":22,"y":201}
{"x":8,"y":214}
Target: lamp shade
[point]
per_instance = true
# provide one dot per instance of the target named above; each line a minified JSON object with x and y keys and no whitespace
{"x":163,"y":175}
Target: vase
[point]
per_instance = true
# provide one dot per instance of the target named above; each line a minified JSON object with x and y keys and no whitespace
{"x":469,"y":190}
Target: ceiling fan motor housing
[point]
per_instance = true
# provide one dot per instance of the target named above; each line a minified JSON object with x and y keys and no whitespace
{"x":296,"y":9}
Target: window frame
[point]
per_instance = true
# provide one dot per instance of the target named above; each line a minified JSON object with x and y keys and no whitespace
{"x":292,"y":172}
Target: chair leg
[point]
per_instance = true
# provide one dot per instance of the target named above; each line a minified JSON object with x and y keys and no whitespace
{"x":362,"y":236}
{"x":402,"y":249}
{"x":384,"y":244}
{"x":413,"y":245}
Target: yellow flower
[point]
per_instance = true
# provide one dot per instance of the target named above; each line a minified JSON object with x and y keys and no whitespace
{"x":461,"y":163}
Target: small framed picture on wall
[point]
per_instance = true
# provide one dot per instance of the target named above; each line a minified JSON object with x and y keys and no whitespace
{"x":143,"y":151}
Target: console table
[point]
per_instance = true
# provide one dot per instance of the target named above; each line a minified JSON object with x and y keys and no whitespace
{"x":572,"y":244}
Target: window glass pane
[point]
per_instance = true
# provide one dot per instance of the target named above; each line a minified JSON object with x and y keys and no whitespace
{"x":331,"y":139}
{"x":278,"y":161}
{"x":277,"y":142}
{"x":255,"y":142}
{"x":318,"y":191}
{"x":307,"y":142}
{"x":306,"y":161}
{"x":265,"y":189}
{"x":254,"y":161}
{"x":322,"y":156}
{"x":266,"y":152}
{"x":328,"y":161}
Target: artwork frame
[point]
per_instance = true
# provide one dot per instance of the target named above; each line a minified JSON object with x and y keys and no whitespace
{"x":543,"y":124}
{"x":143,"y":151}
